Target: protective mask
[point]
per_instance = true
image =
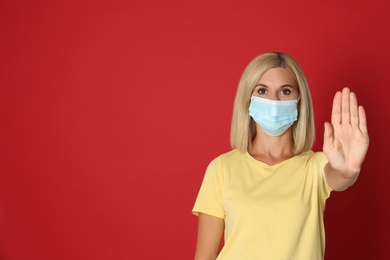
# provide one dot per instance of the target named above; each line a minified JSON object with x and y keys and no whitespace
{"x":273,"y":116}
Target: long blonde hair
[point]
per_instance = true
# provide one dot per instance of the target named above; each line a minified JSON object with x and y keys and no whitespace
{"x":243,"y":128}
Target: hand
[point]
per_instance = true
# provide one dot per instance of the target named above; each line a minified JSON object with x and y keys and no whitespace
{"x":346,"y":139}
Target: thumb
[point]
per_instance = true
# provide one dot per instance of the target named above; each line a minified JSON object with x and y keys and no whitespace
{"x":328,"y":135}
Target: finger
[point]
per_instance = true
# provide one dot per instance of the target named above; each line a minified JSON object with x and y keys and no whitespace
{"x":362,"y":121}
{"x":354,"y":116}
{"x":345,"y":110}
{"x":336,"y":109}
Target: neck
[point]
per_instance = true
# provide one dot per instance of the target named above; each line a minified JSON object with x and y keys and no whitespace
{"x":272,"y":149}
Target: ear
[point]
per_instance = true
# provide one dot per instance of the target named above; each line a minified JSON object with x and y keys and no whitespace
{"x":299,"y":104}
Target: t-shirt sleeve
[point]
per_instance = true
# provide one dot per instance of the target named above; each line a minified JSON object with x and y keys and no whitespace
{"x":209,"y":200}
{"x":323,"y":188}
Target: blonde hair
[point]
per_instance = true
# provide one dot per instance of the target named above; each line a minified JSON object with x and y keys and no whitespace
{"x":243,"y":128}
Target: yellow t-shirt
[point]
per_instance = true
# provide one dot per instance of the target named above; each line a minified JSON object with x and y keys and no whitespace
{"x":270,"y":212}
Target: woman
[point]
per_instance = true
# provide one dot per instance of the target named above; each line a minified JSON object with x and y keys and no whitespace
{"x":267,"y":195}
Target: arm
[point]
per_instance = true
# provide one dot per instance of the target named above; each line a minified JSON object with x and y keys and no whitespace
{"x":345,"y":141}
{"x":210,"y":230}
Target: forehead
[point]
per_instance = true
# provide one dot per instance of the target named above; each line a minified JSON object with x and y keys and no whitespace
{"x":277,"y":76}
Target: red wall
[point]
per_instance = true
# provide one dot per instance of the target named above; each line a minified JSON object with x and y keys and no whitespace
{"x":111,"y":110}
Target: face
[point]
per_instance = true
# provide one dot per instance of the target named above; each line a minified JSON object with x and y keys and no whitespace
{"x":276,"y":84}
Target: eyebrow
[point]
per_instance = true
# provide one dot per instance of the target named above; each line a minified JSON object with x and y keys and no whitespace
{"x":285,"y":85}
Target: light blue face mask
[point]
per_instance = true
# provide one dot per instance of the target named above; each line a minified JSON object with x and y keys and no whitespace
{"x":273,"y":116}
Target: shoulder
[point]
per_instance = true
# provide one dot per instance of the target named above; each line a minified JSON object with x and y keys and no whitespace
{"x":318,"y":158}
{"x":311,"y":160}
{"x":312,"y":157}
{"x":314,"y":163}
{"x":228,"y":157}
{"x":226,"y":161}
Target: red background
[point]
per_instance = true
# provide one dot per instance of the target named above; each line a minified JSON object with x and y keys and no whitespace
{"x":111,"y":110}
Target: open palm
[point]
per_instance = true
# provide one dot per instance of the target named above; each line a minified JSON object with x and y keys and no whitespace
{"x":346,"y":138}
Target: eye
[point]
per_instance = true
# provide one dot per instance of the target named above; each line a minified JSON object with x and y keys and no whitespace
{"x":286,"y":91}
{"x":262,"y":91}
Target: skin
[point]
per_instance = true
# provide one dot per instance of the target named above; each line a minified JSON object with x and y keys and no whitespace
{"x":345,"y":141}
{"x":210,"y":230}
{"x":345,"y":145}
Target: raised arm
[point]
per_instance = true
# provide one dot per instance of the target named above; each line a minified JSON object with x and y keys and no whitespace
{"x":345,"y":141}
{"x":210,"y":230}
